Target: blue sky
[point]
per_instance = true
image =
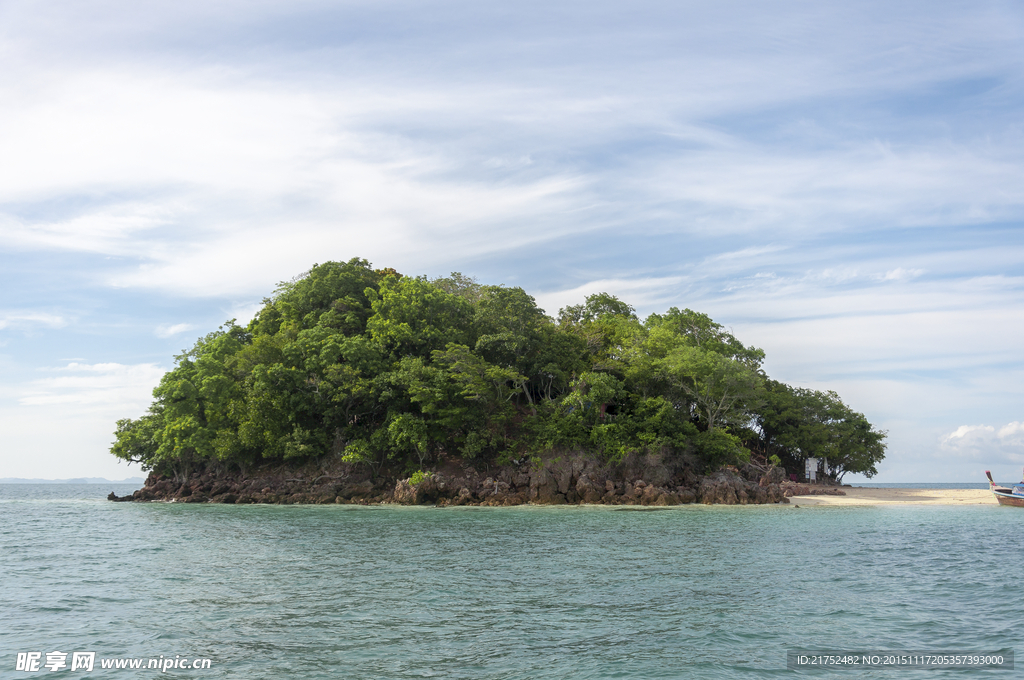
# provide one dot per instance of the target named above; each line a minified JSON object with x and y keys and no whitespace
{"x":842,"y":185}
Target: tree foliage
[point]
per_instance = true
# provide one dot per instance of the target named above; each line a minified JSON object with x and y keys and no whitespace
{"x":796,"y":424}
{"x":383,"y":369}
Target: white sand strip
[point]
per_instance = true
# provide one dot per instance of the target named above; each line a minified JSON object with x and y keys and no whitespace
{"x":869,"y":496}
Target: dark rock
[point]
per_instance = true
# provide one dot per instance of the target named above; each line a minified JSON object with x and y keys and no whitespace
{"x":544,"y":488}
{"x":357,"y":489}
{"x":790,"y":489}
{"x":721,"y":488}
{"x":431,"y":489}
{"x":570,"y":477}
{"x":650,"y":494}
{"x":588,"y":490}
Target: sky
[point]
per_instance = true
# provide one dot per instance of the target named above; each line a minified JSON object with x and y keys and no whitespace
{"x":840,"y":184}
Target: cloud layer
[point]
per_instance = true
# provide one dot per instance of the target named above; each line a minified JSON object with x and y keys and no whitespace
{"x":107,"y":386}
{"x":996,"y":446}
{"x":842,"y":185}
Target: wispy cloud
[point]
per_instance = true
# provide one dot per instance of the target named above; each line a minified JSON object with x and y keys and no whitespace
{"x":901,"y":274}
{"x":105,"y":386}
{"x":988,"y":444}
{"x":643,"y":292}
{"x":243,"y":312}
{"x":666,"y":128}
{"x":169,"y":330}
{"x":107,"y":229}
{"x":65,"y":418}
{"x":28,"y":319}
{"x":840,"y":184}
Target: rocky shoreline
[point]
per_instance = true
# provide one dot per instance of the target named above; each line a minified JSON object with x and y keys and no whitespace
{"x":559,"y":480}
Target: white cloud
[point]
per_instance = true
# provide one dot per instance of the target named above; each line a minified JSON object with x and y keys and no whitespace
{"x":244,"y":312}
{"x":109,"y":387}
{"x":61,"y":425}
{"x":213,"y":175}
{"x":643,"y":292}
{"x":25,"y":319}
{"x":796,"y":191}
{"x":59,"y":443}
{"x":168,"y":330}
{"x":1012,"y":432}
{"x":966,"y":430}
{"x":901,"y":274}
{"x":986,"y":443}
{"x":809,"y":176}
{"x":108,"y":229}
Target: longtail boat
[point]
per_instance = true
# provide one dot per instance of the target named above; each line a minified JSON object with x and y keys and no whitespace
{"x":1006,"y":495}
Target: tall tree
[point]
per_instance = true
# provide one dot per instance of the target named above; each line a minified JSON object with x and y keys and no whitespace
{"x":796,"y":424}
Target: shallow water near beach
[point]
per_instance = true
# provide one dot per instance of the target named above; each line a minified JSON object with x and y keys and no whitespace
{"x":525,"y":592}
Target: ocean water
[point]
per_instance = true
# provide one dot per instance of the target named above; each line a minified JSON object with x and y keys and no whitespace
{"x":527,"y":592}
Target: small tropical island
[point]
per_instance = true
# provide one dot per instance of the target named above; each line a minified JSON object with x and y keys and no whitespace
{"x":362,"y":385}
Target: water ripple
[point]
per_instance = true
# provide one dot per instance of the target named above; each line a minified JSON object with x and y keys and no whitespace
{"x":326,"y":591}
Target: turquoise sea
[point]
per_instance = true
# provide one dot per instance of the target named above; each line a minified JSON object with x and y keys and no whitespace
{"x":527,"y":592}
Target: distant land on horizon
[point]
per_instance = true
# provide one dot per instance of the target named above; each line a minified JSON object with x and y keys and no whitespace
{"x":76,"y":480}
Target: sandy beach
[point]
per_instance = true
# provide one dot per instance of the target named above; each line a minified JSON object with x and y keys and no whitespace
{"x":871,"y":496}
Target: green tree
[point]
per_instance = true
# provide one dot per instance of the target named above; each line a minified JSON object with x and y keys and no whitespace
{"x":393,"y":371}
{"x":460,"y":285}
{"x":412,"y":317}
{"x":717,"y":390}
{"x":136,"y":440}
{"x":334,"y":289}
{"x":796,"y":424}
{"x":703,"y":333}
{"x":607,"y":326}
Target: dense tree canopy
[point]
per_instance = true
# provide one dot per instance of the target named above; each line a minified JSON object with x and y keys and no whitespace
{"x":397,"y":371}
{"x":795,"y":424}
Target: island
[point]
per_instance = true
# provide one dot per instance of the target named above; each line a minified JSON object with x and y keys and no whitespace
{"x":362,"y":385}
